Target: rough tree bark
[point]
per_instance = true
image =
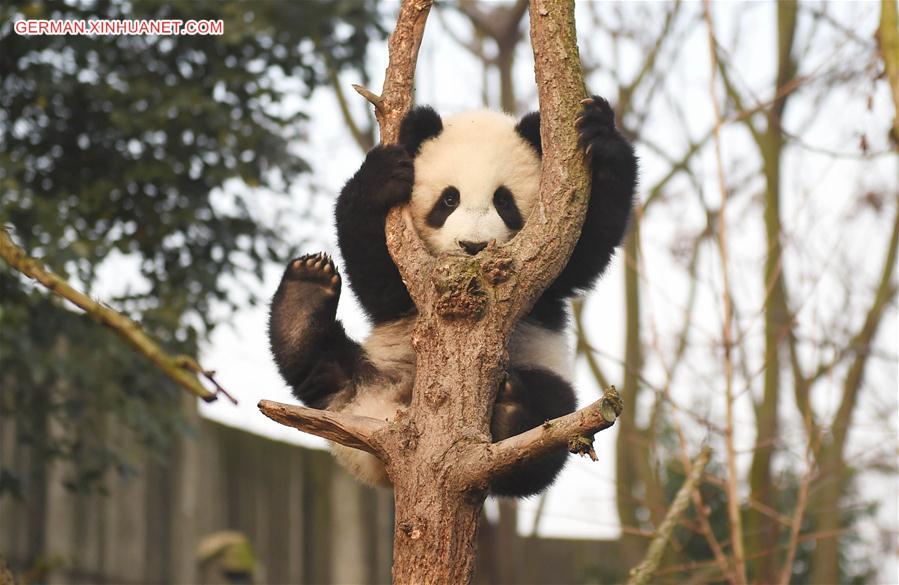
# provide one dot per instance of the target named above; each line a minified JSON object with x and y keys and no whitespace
{"x":438,"y":454}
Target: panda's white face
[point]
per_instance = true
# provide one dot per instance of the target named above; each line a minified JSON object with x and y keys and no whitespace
{"x":475,"y":182}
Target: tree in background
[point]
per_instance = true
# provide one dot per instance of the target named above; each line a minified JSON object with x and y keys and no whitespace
{"x":142,"y":154}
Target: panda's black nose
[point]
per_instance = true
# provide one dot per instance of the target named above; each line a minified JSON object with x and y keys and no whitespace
{"x":472,"y":248}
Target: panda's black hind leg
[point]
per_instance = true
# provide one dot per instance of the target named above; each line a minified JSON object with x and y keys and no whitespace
{"x":528,"y":398}
{"x":310,"y":346}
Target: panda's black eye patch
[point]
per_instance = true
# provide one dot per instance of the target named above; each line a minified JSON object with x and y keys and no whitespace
{"x":504,"y":202}
{"x":448,"y":202}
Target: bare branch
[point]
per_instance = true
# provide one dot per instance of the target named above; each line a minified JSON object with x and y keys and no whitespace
{"x":796,"y":523}
{"x":349,"y":430}
{"x":643,"y":573}
{"x":373,"y":98}
{"x":733,"y":502}
{"x":396,"y":97}
{"x":575,"y":430}
{"x":180,"y":369}
{"x":888,"y":41}
{"x":863,"y":339}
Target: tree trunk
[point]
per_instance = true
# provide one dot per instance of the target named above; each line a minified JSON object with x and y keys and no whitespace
{"x":628,"y":475}
{"x":762,"y":531}
{"x":437,"y":516}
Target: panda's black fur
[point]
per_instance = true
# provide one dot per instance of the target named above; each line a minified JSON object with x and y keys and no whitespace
{"x":468,"y":180}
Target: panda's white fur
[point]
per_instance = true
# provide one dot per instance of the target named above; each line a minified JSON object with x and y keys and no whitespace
{"x":476,"y":152}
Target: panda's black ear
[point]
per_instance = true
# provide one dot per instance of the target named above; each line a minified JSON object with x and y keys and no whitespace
{"x":529,"y":129}
{"x":420,"y":123}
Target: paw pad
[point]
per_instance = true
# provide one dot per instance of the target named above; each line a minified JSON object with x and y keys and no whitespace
{"x":315,"y":268}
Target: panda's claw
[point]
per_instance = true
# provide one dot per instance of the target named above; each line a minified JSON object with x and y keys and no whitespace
{"x":317,"y":269}
{"x":595,"y":124}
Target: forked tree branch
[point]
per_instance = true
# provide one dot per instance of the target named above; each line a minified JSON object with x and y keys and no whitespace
{"x":520,"y":270}
{"x":183,"y":370}
{"x":438,"y":454}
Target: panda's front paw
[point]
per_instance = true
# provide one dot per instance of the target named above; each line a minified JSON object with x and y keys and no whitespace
{"x":390,"y":171}
{"x":597,"y":135}
{"x":315,"y":269}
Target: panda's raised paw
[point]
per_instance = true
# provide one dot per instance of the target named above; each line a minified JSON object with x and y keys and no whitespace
{"x":596,"y":125}
{"x":390,"y":168}
{"x":317,"y":269}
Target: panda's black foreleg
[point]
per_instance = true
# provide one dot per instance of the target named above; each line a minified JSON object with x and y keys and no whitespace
{"x":529,"y":397}
{"x":383,"y":181}
{"x":311,"y":348}
{"x":613,"y":167}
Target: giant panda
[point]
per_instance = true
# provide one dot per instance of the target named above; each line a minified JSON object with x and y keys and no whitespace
{"x":469,"y":179}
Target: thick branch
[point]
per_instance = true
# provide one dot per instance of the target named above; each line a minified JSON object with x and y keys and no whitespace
{"x":575,"y":430}
{"x":398,"y":81}
{"x":643,"y":573}
{"x":888,"y":40}
{"x":406,"y":248}
{"x":862,"y":340}
{"x":181,"y":369}
{"x":546,"y":241}
{"x":350,"y":430}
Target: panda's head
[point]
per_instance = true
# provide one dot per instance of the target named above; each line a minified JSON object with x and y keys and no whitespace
{"x":477,"y":176}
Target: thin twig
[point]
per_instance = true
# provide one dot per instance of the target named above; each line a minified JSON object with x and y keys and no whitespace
{"x":373,"y":98}
{"x":733,"y":502}
{"x":178,"y":368}
{"x":643,"y":573}
{"x":798,"y":516}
